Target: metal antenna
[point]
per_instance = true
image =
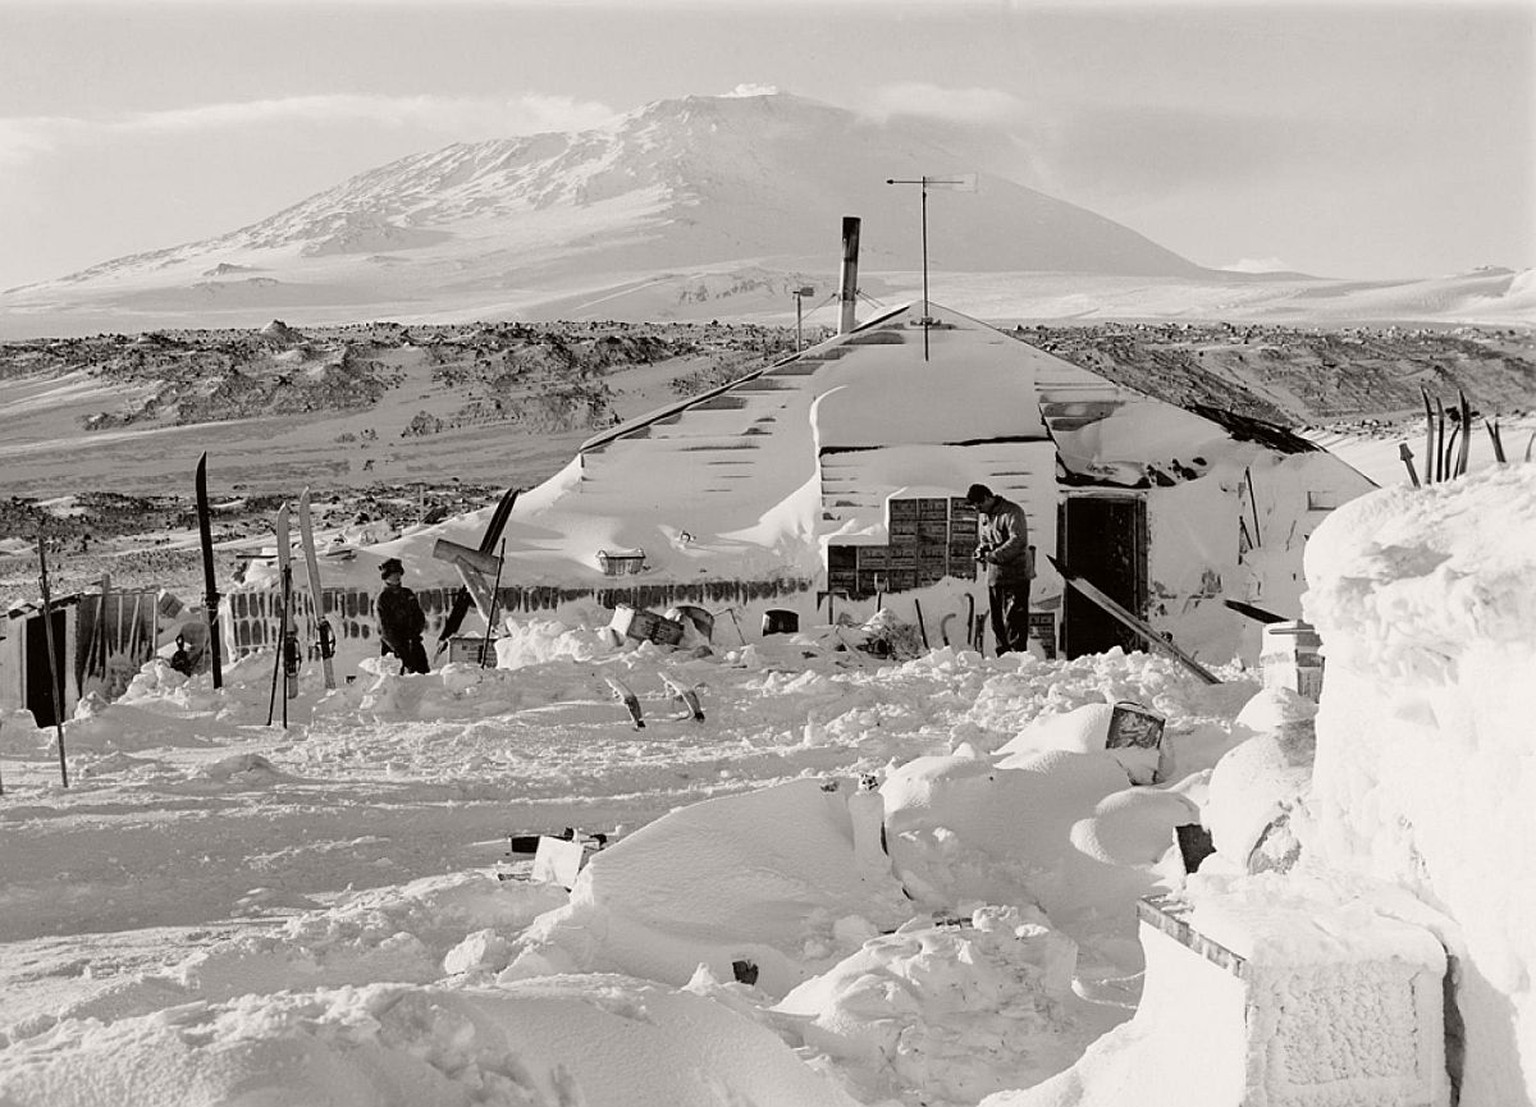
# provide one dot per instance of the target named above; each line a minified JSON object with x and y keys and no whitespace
{"x":965,"y":182}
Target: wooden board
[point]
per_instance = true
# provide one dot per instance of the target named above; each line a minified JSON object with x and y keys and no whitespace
{"x":1151,"y":636}
{"x":1258,"y":614}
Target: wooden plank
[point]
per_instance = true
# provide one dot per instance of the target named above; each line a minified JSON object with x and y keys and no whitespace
{"x":1151,"y":636}
{"x":1164,"y":913}
{"x":1258,"y":614}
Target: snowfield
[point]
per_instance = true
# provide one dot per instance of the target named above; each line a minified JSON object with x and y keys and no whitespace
{"x":856,"y":881}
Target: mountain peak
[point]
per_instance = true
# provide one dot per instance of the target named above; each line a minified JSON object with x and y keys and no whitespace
{"x":739,"y":178}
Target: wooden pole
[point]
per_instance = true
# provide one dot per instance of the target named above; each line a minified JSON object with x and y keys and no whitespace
{"x":53,"y":668}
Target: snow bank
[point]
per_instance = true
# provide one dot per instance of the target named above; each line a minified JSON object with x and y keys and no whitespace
{"x":388,"y":1045}
{"x":1426,"y":602}
{"x":769,"y":878}
{"x":1026,"y":830}
{"x":961,"y":1007}
{"x":1263,"y":779}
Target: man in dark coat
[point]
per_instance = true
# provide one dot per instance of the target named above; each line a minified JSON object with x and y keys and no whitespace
{"x":1004,"y":549}
{"x":400,"y":619}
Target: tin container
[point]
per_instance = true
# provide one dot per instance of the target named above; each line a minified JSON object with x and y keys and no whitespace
{"x":645,"y":626}
{"x":1291,"y":657}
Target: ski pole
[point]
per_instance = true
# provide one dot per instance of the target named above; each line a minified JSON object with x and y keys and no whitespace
{"x":277,"y":668}
{"x":288,"y":650}
{"x":490,"y":621}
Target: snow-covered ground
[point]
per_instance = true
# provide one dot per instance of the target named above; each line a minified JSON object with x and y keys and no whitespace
{"x":221,"y":911}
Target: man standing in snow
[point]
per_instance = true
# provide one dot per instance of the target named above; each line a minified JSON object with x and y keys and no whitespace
{"x":400,"y":619}
{"x":1004,"y":549}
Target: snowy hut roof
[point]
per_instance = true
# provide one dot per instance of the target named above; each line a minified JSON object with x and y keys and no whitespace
{"x":749,"y":480}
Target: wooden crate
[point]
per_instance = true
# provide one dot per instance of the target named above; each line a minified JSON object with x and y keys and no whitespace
{"x":645,"y":626}
{"x":620,"y":563}
{"x":932,"y":531}
{"x":874,"y":557}
{"x":465,"y":649}
{"x":844,"y":580}
{"x":901,"y":580}
{"x":1042,"y":628}
{"x":871,"y":581}
{"x":842,"y":557}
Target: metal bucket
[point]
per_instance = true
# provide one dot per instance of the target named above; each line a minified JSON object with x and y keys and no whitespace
{"x":1132,"y":726}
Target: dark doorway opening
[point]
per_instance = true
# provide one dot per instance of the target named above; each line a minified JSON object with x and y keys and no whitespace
{"x":1102,"y":538}
{"x":39,"y":690}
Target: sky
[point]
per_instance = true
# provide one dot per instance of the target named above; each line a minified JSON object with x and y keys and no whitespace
{"x":1364,"y":139}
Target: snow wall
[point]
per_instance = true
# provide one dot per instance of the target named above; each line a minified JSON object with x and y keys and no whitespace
{"x":1425,"y":775}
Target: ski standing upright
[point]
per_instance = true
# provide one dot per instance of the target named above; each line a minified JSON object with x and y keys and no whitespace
{"x":287,"y":660}
{"x":325,"y":636}
{"x":210,"y":585}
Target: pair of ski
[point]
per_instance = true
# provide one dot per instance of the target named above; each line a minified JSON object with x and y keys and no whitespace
{"x":464,"y":599}
{"x":688,"y":697}
{"x":1446,"y":459}
{"x":287,"y":660}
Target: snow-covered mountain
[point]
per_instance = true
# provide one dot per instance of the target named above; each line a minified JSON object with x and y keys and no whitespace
{"x":697,"y":208}
{"x":699,"y":181}
{"x":680,"y":182}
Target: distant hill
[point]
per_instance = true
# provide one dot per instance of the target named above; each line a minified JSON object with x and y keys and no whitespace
{"x":283,"y":406}
{"x":99,"y":435}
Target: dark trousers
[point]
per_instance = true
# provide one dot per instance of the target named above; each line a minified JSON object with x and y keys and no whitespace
{"x":1009,"y":600}
{"x":412,"y":655}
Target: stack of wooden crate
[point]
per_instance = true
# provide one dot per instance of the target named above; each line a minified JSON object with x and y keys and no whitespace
{"x":930,"y":538}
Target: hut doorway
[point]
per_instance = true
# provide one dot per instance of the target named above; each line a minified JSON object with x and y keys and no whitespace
{"x":1103,"y":538}
{"x":39,"y":690}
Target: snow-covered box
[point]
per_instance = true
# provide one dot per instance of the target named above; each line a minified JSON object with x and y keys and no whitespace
{"x":1297,"y":1004}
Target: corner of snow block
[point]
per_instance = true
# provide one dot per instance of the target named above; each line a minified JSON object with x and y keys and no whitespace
{"x":1369,"y":1033}
{"x":1306,"y":1023}
{"x":1192,"y":1005}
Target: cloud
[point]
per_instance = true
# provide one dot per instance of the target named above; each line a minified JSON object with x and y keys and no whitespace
{"x":22,"y":140}
{"x":456,"y":118}
{"x":1259,"y":265}
{"x":954,"y":105}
